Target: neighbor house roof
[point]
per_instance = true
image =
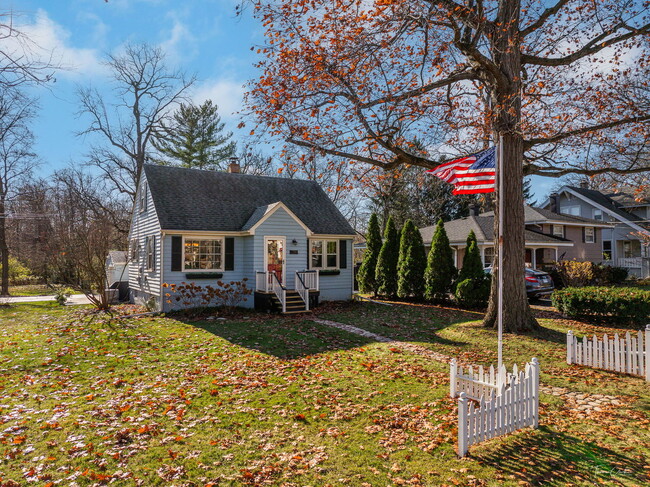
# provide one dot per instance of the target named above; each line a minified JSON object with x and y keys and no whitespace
{"x":541,"y":215}
{"x":483,"y":226}
{"x":605,"y":201}
{"x":192,"y":199}
{"x":117,"y":256}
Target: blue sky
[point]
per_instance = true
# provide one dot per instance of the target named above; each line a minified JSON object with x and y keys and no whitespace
{"x":203,"y":37}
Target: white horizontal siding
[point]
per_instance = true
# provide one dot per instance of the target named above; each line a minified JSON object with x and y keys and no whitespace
{"x":145,"y":224}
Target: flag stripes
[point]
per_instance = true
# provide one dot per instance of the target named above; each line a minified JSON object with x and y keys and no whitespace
{"x":470,"y":175}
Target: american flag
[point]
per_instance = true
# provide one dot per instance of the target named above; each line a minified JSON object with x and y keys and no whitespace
{"x":471,"y":174}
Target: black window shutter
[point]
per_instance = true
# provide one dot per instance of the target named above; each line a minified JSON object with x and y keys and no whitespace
{"x":343,"y":254}
{"x":583,"y":235}
{"x":230,"y":254}
{"x":308,"y":261}
{"x":595,"y":233}
{"x":153,"y":253}
{"x":177,"y":253}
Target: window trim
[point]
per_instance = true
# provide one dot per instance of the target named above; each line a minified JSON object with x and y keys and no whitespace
{"x":199,"y":239}
{"x":143,"y":197}
{"x":554,"y":233}
{"x":324,"y":254}
{"x":600,"y":213}
{"x":488,"y":263}
{"x":593,"y":235}
{"x":150,"y":253}
{"x":566,"y":210}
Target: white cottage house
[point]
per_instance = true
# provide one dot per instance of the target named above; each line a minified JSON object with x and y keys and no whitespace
{"x":285,"y":236}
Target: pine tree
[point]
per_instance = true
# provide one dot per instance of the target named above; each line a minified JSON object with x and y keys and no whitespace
{"x":195,"y":138}
{"x":366,"y":275}
{"x":472,"y":264}
{"x":386,"y":270}
{"x":441,"y":272}
{"x":412,"y":263}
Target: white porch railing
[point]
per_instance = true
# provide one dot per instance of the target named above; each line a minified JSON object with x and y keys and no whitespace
{"x":263,"y":281}
{"x":302,"y":289}
{"x":279,"y":290}
{"x":310,"y":278}
{"x":626,"y":262}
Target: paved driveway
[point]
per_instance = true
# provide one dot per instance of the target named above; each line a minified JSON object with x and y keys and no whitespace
{"x":72,"y":300}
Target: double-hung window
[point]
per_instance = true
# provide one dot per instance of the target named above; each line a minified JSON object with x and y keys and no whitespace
{"x":203,"y":255}
{"x":324,"y":254}
{"x":589,"y":234}
{"x":150,"y":248}
{"x":134,"y":250}
{"x":558,"y":230}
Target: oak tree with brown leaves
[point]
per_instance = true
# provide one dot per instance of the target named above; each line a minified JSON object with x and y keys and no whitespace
{"x":362,"y":79}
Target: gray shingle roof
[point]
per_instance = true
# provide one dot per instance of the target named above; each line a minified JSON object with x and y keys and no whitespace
{"x":535,"y":214}
{"x":117,"y":256}
{"x":191,"y":199}
{"x":483,"y":226}
{"x":606,"y":202}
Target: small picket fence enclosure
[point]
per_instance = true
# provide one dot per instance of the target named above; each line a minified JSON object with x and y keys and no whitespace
{"x":506,"y":402}
{"x":629,"y":354}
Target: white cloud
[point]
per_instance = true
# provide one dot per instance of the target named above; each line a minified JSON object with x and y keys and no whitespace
{"x":227,"y":93}
{"x":52,"y":43}
{"x":180,"y":45}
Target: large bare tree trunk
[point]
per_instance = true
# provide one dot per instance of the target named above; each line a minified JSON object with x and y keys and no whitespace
{"x":4,"y":252}
{"x":517,"y":315}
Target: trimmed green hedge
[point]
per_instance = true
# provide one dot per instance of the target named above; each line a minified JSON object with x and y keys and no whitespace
{"x":621,"y":304}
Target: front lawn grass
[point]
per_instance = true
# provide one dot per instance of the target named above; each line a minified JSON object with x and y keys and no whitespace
{"x":32,"y":290}
{"x":266,"y":400}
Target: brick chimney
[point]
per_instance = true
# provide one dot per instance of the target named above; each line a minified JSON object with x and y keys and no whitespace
{"x":554,"y":198}
{"x":584,"y":184}
{"x":233,"y":167}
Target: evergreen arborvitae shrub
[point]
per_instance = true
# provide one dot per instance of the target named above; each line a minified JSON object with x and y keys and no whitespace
{"x":412,"y":263}
{"x":366,"y":274}
{"x":472,"y":264}
{"x":386,"y":270}
{"x":473,"y":293}
{"x":440,"y":272}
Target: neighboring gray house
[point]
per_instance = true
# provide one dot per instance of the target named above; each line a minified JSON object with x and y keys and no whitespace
{"x":284,"y":235}
{"x":116,"y":270}
{"x":548,"y":237}
{"x":621,"y":244}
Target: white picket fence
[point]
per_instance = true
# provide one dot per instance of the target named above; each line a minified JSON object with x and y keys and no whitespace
{"x":629,"y":354}
{"x":506,"y":402}
{"x":475,"y":382}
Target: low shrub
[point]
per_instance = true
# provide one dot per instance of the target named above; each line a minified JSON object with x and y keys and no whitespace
{"x":614,"y":305}
{"x":606,"y":275}
{"x":225,"y":294}
{"x":473,"y":293}
{"x":574,"y":273}
{"x":62,"y":294}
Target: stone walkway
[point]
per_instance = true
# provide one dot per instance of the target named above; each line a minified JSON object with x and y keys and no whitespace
{"x":581,"y":403}
{"x":72,"y":300}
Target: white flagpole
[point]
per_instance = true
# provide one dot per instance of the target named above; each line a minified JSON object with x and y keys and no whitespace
{"x":500,"y":207}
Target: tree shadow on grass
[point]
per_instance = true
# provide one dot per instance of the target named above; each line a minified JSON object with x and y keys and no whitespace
{"x":285,"y":338}
{"x":551,"y":458}
{"x":414,"y":322}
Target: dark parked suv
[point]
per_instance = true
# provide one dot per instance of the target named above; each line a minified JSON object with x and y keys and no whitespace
{"x":538,"y":283}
